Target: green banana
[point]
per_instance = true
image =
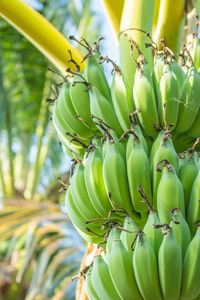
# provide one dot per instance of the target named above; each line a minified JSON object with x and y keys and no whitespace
{"x":103,"y":109}
{"x":179,"y":73}
{"x":129,"y":233}
{"x":96,"y":77}
{"x":195,"y":129}
{"x":93,"y":174}
{"x":122,"y":100}
{"x":166,"y":151}
{"x":115,"y":177}
{"x":154,"y":235}
{"x":181,"y":230}
{"x":78,"y":219}
{"x":145,"y":101}
{"x":81,"y":101}
{"x":155,"y":146}
{"x":67,"y":111}
{"x":189,"y":101}
{"x":80,"y":194}
{"x":145,"y":269}
{"x":92,"y":295}
{"x":170,"y":266}
{"x":187,"y":173}
{"x":170,"y":193}
{"x":168,"y":107}
{"x":157,"y":73}
{"x":113,"y":234}
{"x":102,"y":281}
{"x":193,"y":210}
{"x":195,"y":52}
{"x":121,"y":270}
{"x":138,"y":172}
{"x":190,"y":287}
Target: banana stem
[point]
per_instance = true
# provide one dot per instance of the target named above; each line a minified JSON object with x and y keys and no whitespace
{"x":137,"y":14}
{"x":114,"y":10}
{"x":170,"y":24}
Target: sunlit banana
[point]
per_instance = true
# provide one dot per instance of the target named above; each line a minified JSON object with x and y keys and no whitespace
{"x":113,"y":234}
{"x":193,"y":210}
{"x":93,"y":174}
{"x":145,"y":101}
{"x":122,"y":100}
{"x":121,"y":270}
{"x":102,"y":281}
{"x":129,"y":233}
{"x":190,"y":287}
{"x":169,"y":194}
{"x":103,"y":109}
{"x":181,"y":230}
{"x":187,"y":173}
{"x":189,"y":101}
{"x":145,"y":269}
{"x":170,"y":266}
{"x":92,"y":295}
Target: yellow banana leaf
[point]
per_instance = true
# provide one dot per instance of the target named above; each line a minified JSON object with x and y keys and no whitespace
{"x":41,"y":34}
{"x":114,"y":11}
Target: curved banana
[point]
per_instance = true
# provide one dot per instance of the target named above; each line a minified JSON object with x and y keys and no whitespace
{"x":187,"y":173}
{"x":129,"y":233}
{"x":103,"y":109}
{"x":121,"y":262}
{"x":193,"y":210}
{"x":170,"y":266}
{"x":145,"y":101}
{"x":113,"y":234}
{"x":166,"y":151}
{"x":170,"y":193}
{"x":138,"y":172}
{"x":92,"y":295}
{"x":95,"y":75}
{"x":181,"y":230}
{"x":178,"y":72}
{"x":190,"y":287}
{"x":102,"y":281}
{"x":168,"y":107}
{"x":93,"y":174}
{"x":145,"y":269}
{"x":189,"y":101}
{"x":115,"y":177}
{"x":122,"y":100}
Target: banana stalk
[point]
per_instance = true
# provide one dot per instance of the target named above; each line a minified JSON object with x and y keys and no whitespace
{"x":42,"y":34}
{"x":170,"y":24}
{"x":138,"y":15}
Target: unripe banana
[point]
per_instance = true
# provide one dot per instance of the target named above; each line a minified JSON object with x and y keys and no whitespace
{"x":67,"y":111}
{"x":61,"y":129}
{"x":145,"y":101}
{"x":181,"y":230}
{"x":155,"y":146}
{"x":121,"y":270}
{"x":170,"y":194}
{"x":80,"y":194}
{"x":168,"y":107}
{"x":189,"y":104}
{"x":115,"y":177}
{"x":195,"y":129}
{"x":95,"y":76}
{"x":81,"y":101}
{"x":129,"y":233}
{"x":193,"y":211}
{"x":138,"y":172}
{"x":103,"y":109}
{"x":92,"y":295}
{"x":93,"y":174}
{"x":122,"y":100}
{"x":190,"y":287}
{"x":145,"y":269}
{"x":154,"y":235}
{"x":178,"y":72}
{"x":187,"y":174}
{"x":170,"y":266}
{"x":78,"y":220}
{"x":165,"y":151}
{"x":102,"y":281}
{"x":113,"y":234}
{"x":195,"y":53}
{"x":157,"y":74}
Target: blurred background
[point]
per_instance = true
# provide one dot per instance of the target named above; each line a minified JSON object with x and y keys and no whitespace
{"x":39,"y":248}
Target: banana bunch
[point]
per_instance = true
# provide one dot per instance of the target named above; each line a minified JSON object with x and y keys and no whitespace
{"x":159,"y":263}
